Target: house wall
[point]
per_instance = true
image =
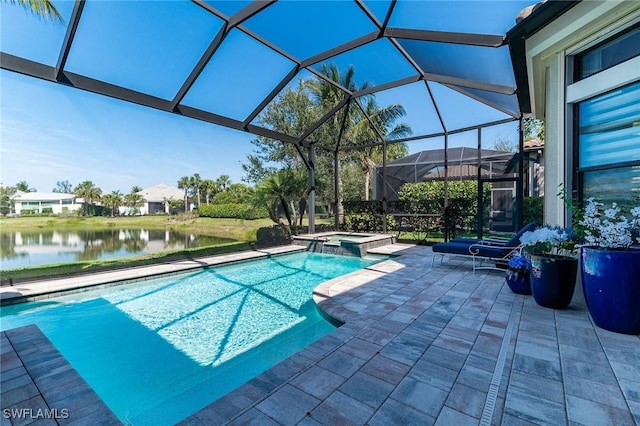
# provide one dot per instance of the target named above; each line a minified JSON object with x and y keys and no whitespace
{"x":39,"y":206}
{"x":534,"y":174}
{"x":547,"y":51}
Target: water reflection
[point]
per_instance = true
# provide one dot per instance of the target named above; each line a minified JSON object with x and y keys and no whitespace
{"x":30,"y":248}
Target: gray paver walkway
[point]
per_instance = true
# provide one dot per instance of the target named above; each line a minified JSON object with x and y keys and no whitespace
{"x":442,"y":345}
{"x":423,"y":345}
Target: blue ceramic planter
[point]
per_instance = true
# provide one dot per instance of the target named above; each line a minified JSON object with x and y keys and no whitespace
{"x":553,"y":280}
{"x":518,"y":283}
{"x":611,"y":284}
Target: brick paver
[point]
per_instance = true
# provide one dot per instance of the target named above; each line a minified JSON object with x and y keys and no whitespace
{"x":420,"y":345}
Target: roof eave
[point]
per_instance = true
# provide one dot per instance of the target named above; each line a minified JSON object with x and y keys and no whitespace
{"x":517,"y":36}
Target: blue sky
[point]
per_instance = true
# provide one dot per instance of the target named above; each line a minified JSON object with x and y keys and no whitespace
{"x":50,"y":132}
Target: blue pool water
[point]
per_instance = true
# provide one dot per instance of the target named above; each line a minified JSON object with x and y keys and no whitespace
{"x":159,"y":350}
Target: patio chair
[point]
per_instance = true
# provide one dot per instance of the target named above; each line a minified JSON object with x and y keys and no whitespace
{"x":496,"y":251}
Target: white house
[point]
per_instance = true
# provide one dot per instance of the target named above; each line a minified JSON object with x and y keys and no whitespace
{"x":579,"y":71}
{"x":46,"y":202}
{"x":156,"y":198}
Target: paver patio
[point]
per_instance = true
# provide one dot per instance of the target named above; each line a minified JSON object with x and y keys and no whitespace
{"x":441,"y":345}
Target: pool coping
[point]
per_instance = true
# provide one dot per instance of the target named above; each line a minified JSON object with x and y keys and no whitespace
{"x":55,"y":287}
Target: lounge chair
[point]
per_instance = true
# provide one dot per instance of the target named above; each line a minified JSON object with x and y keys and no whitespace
{"x":497,"y":251}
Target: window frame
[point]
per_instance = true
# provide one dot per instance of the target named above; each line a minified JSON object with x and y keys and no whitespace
{"x":604,"y":81}
{"x":578,"y":56}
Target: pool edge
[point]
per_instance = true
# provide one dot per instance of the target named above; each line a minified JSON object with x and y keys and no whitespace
{"x":47,"y":289}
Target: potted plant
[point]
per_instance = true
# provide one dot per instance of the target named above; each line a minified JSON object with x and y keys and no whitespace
{"x":610,"y":267}
{"x":553,"y":266}
{"x":518,"y":274}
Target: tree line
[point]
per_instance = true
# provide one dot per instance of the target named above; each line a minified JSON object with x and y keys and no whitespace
{"x":86,"y":190}
{"x":196,"y":190}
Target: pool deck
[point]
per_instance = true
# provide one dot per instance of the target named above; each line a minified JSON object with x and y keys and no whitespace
{"x":440,"y":345}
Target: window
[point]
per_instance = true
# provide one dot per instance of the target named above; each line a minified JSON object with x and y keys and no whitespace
{"x":30,"y":205}
{"x":608,"y":53}
{"x":608,"y":145}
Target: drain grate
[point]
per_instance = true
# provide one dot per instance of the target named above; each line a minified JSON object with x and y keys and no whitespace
{"x":492,"y":395}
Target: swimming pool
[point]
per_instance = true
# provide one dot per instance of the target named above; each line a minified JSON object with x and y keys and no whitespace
{"x":159,"y":350}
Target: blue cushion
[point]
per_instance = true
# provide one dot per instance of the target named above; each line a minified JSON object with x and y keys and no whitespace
{"x":463,"y":248}
{"x":465,"y":240}
{"x":462,"y":245}
{"x":451,"y":248}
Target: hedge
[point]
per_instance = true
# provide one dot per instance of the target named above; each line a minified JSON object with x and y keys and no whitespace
{"x":533,"y":209}
{"x":233,"y":211}
{"x":367,"y":222}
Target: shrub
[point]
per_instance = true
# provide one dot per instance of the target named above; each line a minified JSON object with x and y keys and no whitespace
{"x":278,"y":235}
{"x":371,"y":207}
{"x":533,"y":209}
{"x":367,"y":222}
{"x":233,"y":211}
{"x":237,"y":193}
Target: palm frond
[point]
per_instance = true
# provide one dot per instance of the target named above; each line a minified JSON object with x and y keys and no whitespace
{"x":41,"y":8}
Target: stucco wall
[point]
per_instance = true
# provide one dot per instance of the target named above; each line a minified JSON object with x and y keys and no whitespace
{"x":554,"y":170}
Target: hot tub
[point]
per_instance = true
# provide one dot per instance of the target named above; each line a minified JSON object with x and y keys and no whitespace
{"x":343,"y":243}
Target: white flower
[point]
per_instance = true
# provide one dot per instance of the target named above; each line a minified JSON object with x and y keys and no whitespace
{"x":612,"y":212}
{"x":592,"y":208}
{"x":611,"y":228}
{"x":547,"y":240}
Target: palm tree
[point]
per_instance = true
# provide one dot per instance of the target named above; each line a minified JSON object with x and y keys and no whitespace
{"x":196,"y":183}
{"x":223,"y":182}
{"x":113,"y":201}
{"x":384,"y":119}
{"x":89,"y":192}
{"x":185,"y":183}
{"x":41,"y":8}
{"x":327,"y":96}
{"x":134,"y":199}
{"x":210,"y":189}
{"x":173,"y":204}
{"x":279,"y":191}
{"x":24,"y":187}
